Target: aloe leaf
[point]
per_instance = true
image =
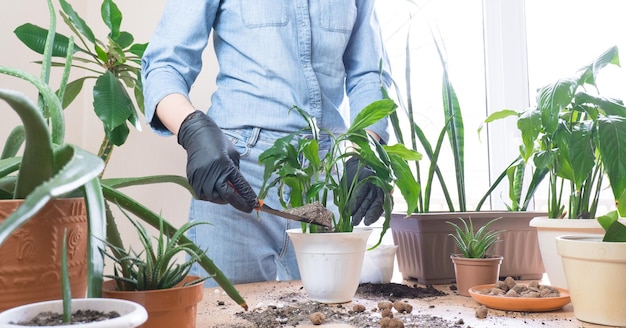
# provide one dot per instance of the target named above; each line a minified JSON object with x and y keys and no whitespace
{"x":80,"y":167}
{"x":36,"y":166}
{"x":14,"y":142}
{"x":94,"y":201}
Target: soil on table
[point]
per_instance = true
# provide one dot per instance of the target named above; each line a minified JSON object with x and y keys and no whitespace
{"x":50,"y":319}
{"x":295,"y":313}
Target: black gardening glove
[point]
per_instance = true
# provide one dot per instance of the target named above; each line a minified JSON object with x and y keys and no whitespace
{"x":367,"y":200}
{"x":213,"y":164}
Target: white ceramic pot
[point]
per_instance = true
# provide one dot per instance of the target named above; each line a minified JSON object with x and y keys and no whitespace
{"x":595,"y":276}
{"x":131,"y":314}
{"x":330,"y":263}
{"x":378,"y":265}
{"x":547,"y":232}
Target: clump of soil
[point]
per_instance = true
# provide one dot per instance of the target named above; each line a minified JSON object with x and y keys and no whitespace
{"x":314,"y":212}
{"x":394,"y":292}
{"x":510,"y":288}
{"x":392,"y":298}
{"x":50,"y":319}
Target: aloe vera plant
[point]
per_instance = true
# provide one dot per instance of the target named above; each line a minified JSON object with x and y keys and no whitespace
{"x":115,"y":66}
{"x":310,"y":176}
{"x":474,"y":243}
{"x":154,"y":267}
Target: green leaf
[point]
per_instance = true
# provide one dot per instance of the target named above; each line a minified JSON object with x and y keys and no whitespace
{"x":77,"y":21}
{"x":111,"y":101}
{"x":615,"y":233}
{"x":612,"y":145}
{"x":79,"y":168}
{"x":112,"y":17}
{"x":552,"y":99}
{"x":72,"y":90}
{"x":371,"y":114}
{"x":581,"y":153}
{"x":590,"y":72}
{"x":14,"y":142}
{"x":138,"y":49}
{"x":124,"y":39}
{"x":34,"y":37}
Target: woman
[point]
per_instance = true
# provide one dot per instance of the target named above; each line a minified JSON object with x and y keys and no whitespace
{"x":322,"y":55}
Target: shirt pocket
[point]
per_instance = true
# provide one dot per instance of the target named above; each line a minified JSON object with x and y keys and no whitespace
{"x":263,"y":13}
{"x":337,"y":15}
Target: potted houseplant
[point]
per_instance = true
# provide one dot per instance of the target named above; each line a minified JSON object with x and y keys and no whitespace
{"x":153,"y":279}
{"x":578,"y":136}
{"x":594,"y":266}
{"x":476,"y":264}
{"x":75,"y":312}
{"x":51,"y":186}
{"x":330,"y":261}
{"x":115,"y":66}
{"x":416,"y":233}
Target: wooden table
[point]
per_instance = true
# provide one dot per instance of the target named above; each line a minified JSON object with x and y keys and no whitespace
{"x":218,"y":310}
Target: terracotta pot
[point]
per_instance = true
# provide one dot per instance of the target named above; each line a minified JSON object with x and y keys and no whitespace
{"x":174,"y":307}
{"x":330,"y":263}
{"x":30,"y":258}
{"x":473,"y":272}
{"x":595,"y":275}
{"x":424,"y":244}
{"x":131,"y":313}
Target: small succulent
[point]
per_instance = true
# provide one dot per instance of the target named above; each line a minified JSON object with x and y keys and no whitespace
{"x":474,"y":244}
{"x":153,"y":267}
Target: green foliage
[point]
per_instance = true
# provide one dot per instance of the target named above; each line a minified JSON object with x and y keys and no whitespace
{"x":474,"y":244}
{"x":154,"y":267}
{"x":48,"y":167}
{"x":578,"y":137}
{"x":300,"y":168}
{"x":453,"y":131}
{"x":115,"y":64}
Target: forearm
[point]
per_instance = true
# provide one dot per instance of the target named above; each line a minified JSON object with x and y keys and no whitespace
{"x":172,"y":110}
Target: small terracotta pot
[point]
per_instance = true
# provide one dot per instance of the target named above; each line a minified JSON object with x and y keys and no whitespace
{"x":173,"y":307}
{"x":473,"y":272}
{"x":30,"y":259}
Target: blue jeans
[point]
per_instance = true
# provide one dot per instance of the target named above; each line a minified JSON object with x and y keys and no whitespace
{"x":246,"y":247}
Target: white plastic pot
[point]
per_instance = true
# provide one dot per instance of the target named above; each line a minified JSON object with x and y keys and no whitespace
{"x":547,"y":232}
{"x":378,"y":265}
{"x":330,"y":263}
{"x":131,"y":314}
{"x":595,"y":276}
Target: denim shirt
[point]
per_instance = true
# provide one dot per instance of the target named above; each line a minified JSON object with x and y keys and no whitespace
{"x":272,"y":55}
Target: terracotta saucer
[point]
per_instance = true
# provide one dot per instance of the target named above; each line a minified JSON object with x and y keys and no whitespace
{"x":522,"y":304}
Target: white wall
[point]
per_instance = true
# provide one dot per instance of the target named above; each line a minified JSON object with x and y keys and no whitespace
{"x":144,"y":153}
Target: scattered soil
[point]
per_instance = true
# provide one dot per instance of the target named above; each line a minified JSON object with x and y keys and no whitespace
{"x":390,"y":296}
{"x":314,"y":212}
{"x":50,"y":319}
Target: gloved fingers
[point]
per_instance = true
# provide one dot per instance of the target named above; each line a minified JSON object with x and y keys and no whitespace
{"x":236,"y":191}
{"x":365,"y":195}
{"x":376,"y":207}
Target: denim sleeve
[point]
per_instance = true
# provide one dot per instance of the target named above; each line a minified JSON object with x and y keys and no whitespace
{"x":173,"y":59}
{"x":362,"y":61}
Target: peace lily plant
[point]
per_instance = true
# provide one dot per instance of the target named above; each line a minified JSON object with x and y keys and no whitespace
{"x":578,"y":136}
{"x":300,"y":167}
